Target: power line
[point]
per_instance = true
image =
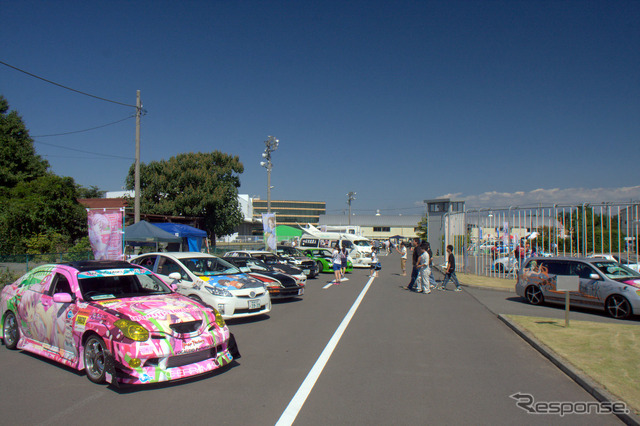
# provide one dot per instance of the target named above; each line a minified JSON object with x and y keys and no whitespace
{"x":65,"y":87}
{"x":85,"y":152}
{"x":85,"y":130}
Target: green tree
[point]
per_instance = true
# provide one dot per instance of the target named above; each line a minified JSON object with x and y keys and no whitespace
{"x":34,"y":203}
{"x":423,"y":228}
{"x":46,"y":205}
{"x":90,"y":192}
{"x":193,"y":184}
{"x":18,"y":159}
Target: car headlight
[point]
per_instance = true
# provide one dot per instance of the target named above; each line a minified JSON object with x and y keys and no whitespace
{"x":218,"y":291}
{"x":132,"y":330}
{"x":219,"y":319}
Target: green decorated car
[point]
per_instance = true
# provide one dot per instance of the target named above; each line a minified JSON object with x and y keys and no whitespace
{"x":323,"y":259}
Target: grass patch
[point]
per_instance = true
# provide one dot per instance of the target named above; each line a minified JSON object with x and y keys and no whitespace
{"x":608,"y":353}
{"x":482,"y":281}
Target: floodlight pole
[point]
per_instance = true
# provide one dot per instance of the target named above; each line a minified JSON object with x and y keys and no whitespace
{"x":352,"y":196}
{"x":271,"y":145}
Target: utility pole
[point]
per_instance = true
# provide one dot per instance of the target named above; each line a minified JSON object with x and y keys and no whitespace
{"x":136,"y":205}
{"x":352,"y":196}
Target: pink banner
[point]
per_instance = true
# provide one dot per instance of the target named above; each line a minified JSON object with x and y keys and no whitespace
{"x":106,"y":233}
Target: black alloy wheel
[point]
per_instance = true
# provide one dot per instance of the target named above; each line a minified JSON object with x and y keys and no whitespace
{"x":617,"y":306}
{"x":534,"y":295}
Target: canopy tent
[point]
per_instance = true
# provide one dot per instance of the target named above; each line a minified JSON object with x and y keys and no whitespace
{"x":144,"y":232}
{"x":193,"y":236}
{"x":284,"y":232}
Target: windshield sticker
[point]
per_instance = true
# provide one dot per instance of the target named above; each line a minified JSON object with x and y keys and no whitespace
{"x":113,"y":272}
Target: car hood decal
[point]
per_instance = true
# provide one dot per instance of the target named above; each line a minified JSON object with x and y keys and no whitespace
{"x":157,"y":313}
{"x":232,"y":282}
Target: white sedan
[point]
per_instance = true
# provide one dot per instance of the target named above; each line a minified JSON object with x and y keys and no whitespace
{"x":210,"y":280}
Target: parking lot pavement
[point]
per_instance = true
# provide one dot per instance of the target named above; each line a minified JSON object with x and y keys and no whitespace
{"x":403,"y":359}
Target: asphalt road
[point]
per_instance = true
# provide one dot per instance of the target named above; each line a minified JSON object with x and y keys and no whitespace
{"x":404,"y":358}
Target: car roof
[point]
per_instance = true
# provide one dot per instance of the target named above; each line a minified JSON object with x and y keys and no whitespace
{"x":96,"y":265}
{"x":178,"y":254}
{"x":580,"y":259}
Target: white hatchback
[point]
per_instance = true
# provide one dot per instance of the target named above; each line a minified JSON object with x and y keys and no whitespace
{"x":210,"y":280}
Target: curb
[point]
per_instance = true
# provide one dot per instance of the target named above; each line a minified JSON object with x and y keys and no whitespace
{"x":593,"y":388}
{"x":484,"y":287}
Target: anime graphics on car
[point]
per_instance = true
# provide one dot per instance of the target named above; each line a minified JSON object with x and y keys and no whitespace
{"x":280,"y":286}
{"x":210,"y":280}
{"x":603,"y":284}
{"x":117,"y":321}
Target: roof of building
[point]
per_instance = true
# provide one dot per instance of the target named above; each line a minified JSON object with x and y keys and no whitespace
{"x":382,"y":220}
{"x":103,"y":203}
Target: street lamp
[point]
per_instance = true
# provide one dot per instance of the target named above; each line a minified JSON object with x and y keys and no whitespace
{"x":271,"y":145}
{"x":352,"y":196}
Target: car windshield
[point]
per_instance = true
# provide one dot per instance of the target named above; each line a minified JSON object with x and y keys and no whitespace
{"x":258,"y":265}
{"x":615,"y":271}
{"x":117,"y":284}
{"x":362,"y":243}
{"x":208,"y":266}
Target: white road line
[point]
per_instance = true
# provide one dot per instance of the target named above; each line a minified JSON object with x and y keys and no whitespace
{"x":333,"y":282}
{"x":291,"y":412}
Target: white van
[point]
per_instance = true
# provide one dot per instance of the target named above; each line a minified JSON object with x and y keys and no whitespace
{"x":359,"y":247}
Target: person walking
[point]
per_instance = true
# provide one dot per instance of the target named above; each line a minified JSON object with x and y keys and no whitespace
{"x":336,"y":262}
{"x":414,"y":271}
{"x":450,"y":271}
{"x":422,"y":281}
{"x":343,"y":260}
{"x":432,"y":279}
{"x":403,"y":258}
{"x":375,"y":265}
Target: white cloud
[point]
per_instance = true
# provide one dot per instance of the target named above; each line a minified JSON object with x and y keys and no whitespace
{"x":549,"y":197}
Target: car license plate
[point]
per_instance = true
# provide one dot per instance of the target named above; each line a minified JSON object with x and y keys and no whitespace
{"x":306,"y":271}
{"x":301,"y":292}
{"x":254,"y":304}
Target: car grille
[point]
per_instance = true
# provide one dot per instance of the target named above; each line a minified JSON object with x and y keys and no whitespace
{"x":186,"y":359}
{"x":186,"y":327}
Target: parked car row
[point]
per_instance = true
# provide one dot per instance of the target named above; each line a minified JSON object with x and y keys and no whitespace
{"x":602,"y":284}
{"x":160,"y":317}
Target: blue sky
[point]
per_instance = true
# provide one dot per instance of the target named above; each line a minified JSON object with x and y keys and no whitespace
{"x":493,"y":102}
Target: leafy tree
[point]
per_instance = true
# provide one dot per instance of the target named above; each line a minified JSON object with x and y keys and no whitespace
{"x":193,"y":184}
{"x":90,"y":192}
{"x":34,"y":203}
{"x":46,"y":205}
{"x":423,"y":228}
{"x":18,"y":159}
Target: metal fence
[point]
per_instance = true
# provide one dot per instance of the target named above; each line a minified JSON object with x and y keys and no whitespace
{"x":494,"y":242}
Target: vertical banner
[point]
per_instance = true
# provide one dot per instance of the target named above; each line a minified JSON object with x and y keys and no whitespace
{"x":106,"y":233}
{"x":269,"y":228}
{"x":506,"y":236}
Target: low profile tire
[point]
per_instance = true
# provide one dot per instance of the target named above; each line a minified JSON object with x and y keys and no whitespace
{"x":95,"y":359}
{"x":533,"y":294}
{"x":618,"y":307}
{"x":10,"y":331}
{"x":320,"y":267}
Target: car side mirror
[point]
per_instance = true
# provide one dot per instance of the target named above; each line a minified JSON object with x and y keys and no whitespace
{"x":175,"y":276}
{"x":174,"y":287}
{"x":62,"y":298}
{"x":594,"y":277}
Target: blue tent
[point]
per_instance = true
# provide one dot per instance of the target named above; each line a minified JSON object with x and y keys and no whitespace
{"x":193,"y":235}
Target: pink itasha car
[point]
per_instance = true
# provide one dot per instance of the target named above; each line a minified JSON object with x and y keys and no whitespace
{"x":117,"y":321}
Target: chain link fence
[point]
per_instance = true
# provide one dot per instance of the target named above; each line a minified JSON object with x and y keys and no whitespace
{"x":494,"y":242}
